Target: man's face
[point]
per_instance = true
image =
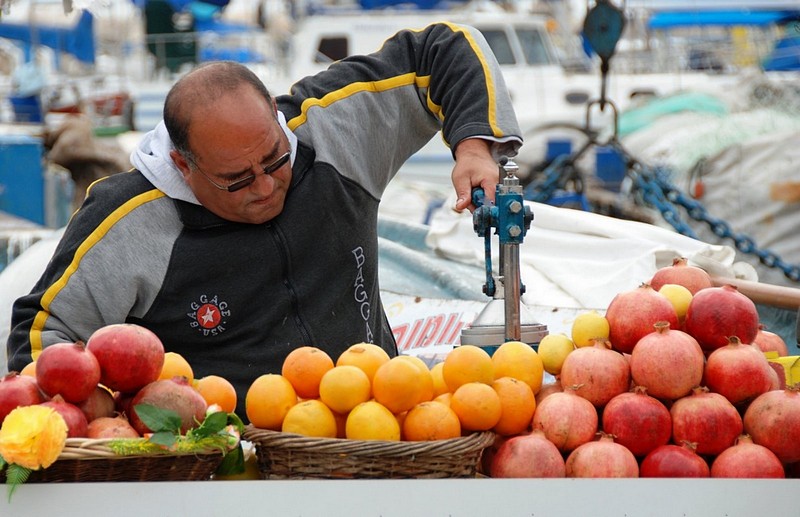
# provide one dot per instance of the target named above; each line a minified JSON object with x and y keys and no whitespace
{"x":233,"y":140}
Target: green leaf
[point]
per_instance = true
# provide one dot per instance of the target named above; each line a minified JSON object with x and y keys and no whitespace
{"x":158,"y":419}
{"x":232,"y":463}
{"x":234,"y":420}
{"x":165,"y":438}
{"x":15,"y":476}
{"x":214,"y":423}
{"x":3,"y":464}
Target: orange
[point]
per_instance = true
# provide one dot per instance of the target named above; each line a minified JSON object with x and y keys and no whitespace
{"x":310,"y":418}
{"x":467,"y":363}
{"x":366,"y":356}
{"x":426,"y":377}
{"x":398,"y":385}
{"x":372,"y":421}
{"x":344,"y":387}
{"x":175,"y":365}
{"x":477,"y":405}
{"x":29,"y":369}
{"x":439,"y":386}
{"x":519,"y":360}
{"x":304,"y":368}
{"x":518,"y":404}
{"x":431,"y":421}
{"x":444,"y":398}
{"x":217,"y":390}
{"x":268,"y":400}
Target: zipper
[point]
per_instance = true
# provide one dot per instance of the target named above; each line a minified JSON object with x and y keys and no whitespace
{"x":286,"y":268}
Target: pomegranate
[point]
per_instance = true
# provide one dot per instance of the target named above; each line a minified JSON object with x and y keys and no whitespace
{"x":69,"y":370}
{"x":130,"y":356}
{"x":548,"y":389}
{"x":487,"y":456}
{"x":632,"y":314}
{"x":602,"y":458}
{"x":738,"y":372}
{"x":717,"y":313}
{"x":567,"y":419}
{"x":674,"y":461}
{"x":100,"y":403}
{"x":680,"y":272}
{"x":598,"y":373}
{"x":669,"y":363}
{"x":773,"y":420}
{"x":770,"y":342}
{"x":122,"y":402}
{"x":528,"y":456}
{"x":638,"y":421}
{"x":779,"y":380}
{"x":77,"y":426}
{"x":111,"y":427}
{"x":707,"y":419}
{"x":174,"y":394}
{"x":18,"y":390}
{"x":747,"y":460}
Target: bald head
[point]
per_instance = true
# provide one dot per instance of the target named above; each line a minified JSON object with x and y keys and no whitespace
{"x":201,"y":88}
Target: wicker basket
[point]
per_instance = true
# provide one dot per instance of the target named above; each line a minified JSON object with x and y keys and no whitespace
{"x":291,"y":456}
{"x":92,"y":460}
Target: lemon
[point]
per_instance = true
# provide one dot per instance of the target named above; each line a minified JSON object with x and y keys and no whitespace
{"x":679,"y":296}
{"x":372,"y":420}
{"x":310,"y":418}
{"x":553,"y":350}
{"x":587,"y":327}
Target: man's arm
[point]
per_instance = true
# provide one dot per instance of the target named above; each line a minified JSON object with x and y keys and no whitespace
{"x":366,"y":115}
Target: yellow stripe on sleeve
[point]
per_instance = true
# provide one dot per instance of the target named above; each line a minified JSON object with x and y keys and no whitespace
{"x":405,"y":80}
{"x":83,"y":249}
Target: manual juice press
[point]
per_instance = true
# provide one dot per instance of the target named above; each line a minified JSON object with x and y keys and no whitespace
{"x":504,"y":318}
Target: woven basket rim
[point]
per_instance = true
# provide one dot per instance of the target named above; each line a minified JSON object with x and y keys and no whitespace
{"x":98,"y":448}
{"x":472,"y":442}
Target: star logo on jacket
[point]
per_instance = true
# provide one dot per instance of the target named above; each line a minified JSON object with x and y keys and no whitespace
{"x":208,"y":315}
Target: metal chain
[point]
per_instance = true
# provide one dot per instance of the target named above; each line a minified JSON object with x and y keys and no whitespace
{"x":557,"y":176}
{"x":658,"y":191}
{"x":743,"y":243}
{"x":553,"y":178}
{"x":653,"y":193}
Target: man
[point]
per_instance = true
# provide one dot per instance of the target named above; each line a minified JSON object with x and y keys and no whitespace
{"x":249,"y":226}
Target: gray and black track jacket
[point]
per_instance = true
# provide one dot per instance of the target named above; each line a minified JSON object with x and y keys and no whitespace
{"x":235,"y":298}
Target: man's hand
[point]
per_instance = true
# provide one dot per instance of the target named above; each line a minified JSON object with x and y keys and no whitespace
{"x":474,"y":168}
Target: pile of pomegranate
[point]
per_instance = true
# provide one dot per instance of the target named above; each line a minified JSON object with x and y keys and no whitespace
{"x":665,"y":396}
{"x":97,"y":385}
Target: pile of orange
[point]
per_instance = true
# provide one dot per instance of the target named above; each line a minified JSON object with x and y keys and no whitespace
{"x":366,"y":395}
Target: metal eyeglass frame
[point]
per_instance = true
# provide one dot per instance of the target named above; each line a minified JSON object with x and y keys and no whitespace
{"x":246,"y":182}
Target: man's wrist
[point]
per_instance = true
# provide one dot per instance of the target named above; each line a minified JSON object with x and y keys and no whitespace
{"x":474,"y":146}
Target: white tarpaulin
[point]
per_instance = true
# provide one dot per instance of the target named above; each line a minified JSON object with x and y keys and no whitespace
{"x":571,"y":258}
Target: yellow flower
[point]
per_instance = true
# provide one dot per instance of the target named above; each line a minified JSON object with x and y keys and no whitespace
{"x":32,"y":436}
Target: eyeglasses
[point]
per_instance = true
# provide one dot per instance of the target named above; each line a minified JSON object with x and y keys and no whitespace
{"x":245,"y":182}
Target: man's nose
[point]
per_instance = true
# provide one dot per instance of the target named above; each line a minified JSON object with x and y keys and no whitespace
{"x":264,"y":183}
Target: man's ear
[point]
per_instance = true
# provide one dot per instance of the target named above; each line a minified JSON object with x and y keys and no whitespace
{"x":180,"y":162}
{"x":274,"y":107}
